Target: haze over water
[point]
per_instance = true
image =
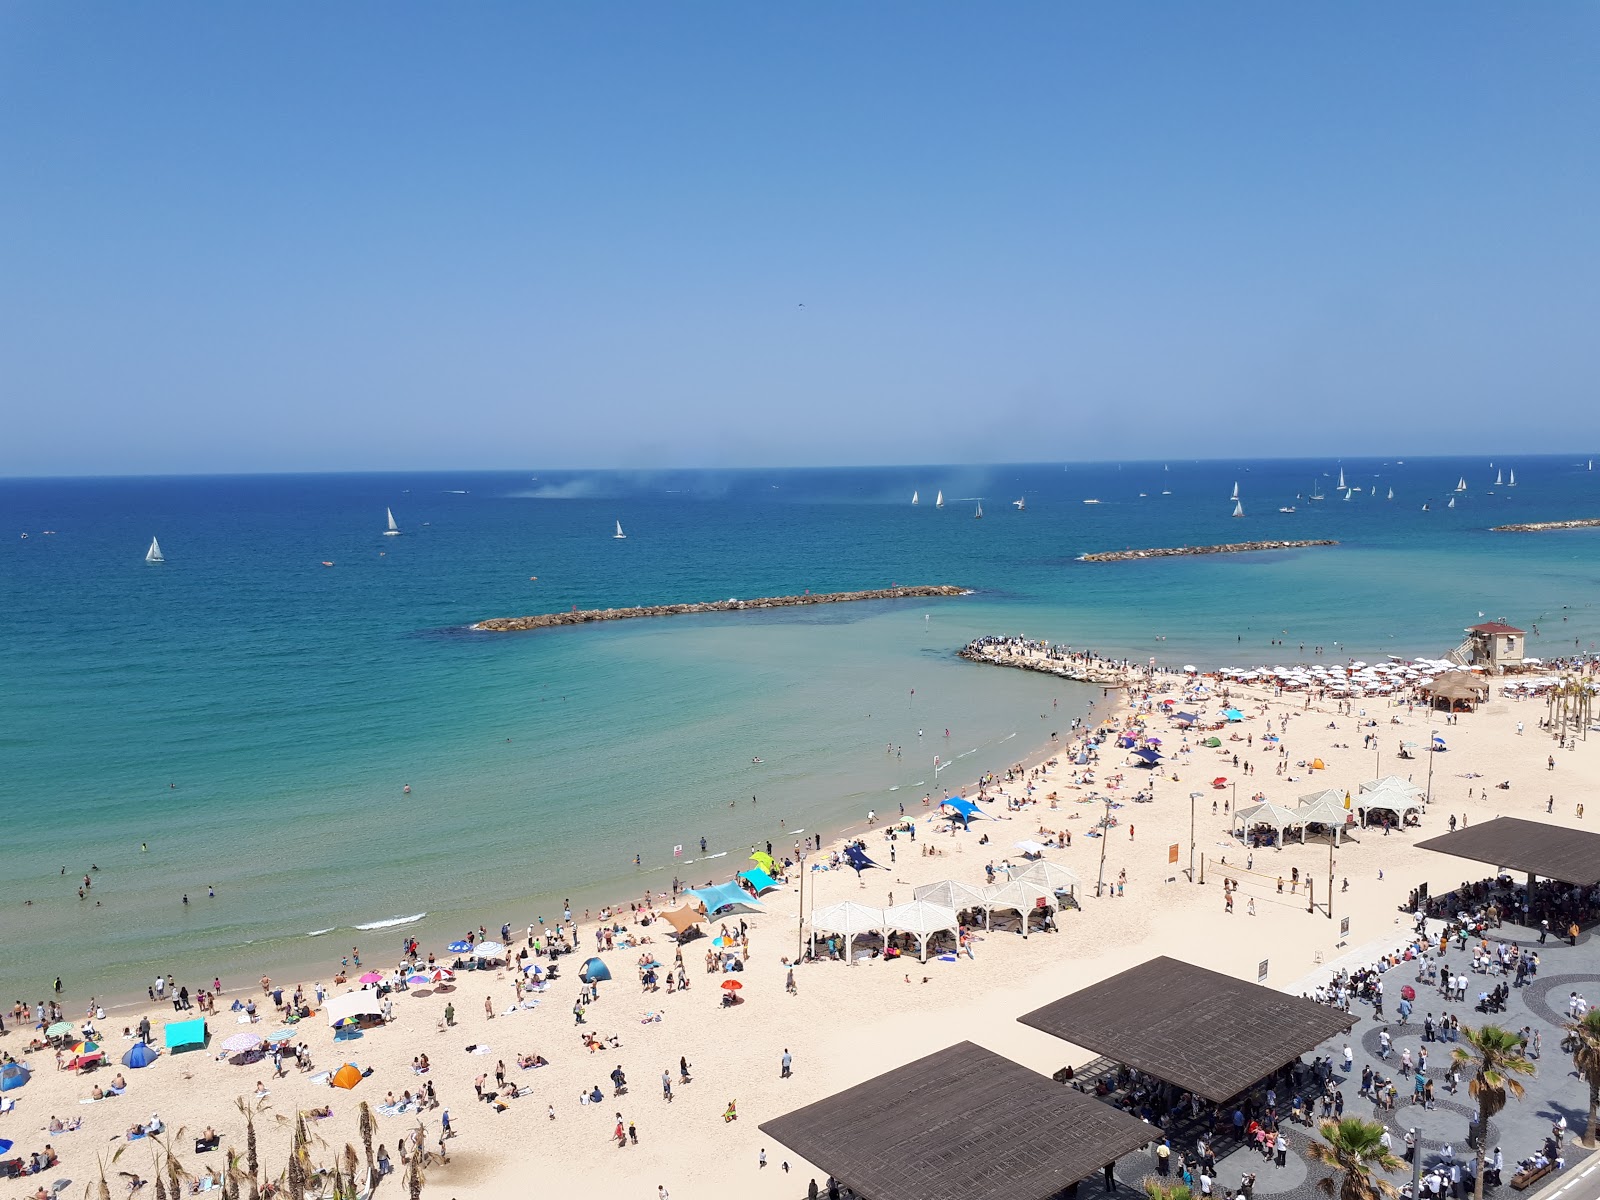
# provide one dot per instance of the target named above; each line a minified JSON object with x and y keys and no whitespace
{"x":289,"y":703}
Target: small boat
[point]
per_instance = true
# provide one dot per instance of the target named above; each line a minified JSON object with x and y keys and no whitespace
{"x":1097,"y":502}
{"x":1499,"y":479}
{"x":938,"y":501}
{"x":1316,"y":491}
{"x":1238,"y":509}
{"x":978,"y":516}
{"x":1164,"y":492}
{"x":1452,"y":503}
{"x":1461,"y":484}
{"x":1142,"y":495}
{"x":153,"y":555}
{"x":618,"y":535}
{"x":1391,"y":493}
{"x":1020,"y":503}
{"x":326,"y":563}
{"x":393,"y":530}
{"x":914,"y":498}
{"x":1339,"y":487}
{"x":1286,"y":508}
{"x":1235,"y":495}
{"x":1424,"y":508}
{"x":1348,"y":492}
{"x":1512,"y":482}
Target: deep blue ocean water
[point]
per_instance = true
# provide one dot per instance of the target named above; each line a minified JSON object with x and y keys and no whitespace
{"x":290,"y":703}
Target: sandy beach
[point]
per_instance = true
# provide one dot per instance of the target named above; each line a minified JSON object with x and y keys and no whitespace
{"x":845,"y":1023}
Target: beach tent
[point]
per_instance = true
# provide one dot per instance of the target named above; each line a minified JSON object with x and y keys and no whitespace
{"x":1279,"y":818}
{"x":921,"y":919}
{"x":952,"y":894}
{"x":847,"y":920}
{"x":1327,"y":809}
{"x":1310,"y":798}
{"x":964,"y":810}
{"x":1392,"y":783}
{"x":348,"y":1005}
{"x":139,"y":1055}
{"x":858,"y":861}
{"x":1212,"y":742}
{"x":1390,"y":800}
{"x":185,"y":1035}
{"x":1233,"y":714}
{"x":1021,"y":896}
{"x":1147,"y":758}
{"x":682,"y":919}
{"x":593,"y":970}
{"x":13,"y":1075}
{"x":1051,"y":875}
{"x":723,"y":896}
{"x":759,"y":880}
{"x":765,"y":861}
{"x":1185,"y":718}
{"x":1030,"y":847}
{"x":347,"y":1076}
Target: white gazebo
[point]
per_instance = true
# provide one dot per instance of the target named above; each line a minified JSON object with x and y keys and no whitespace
{"x":1328,"y":809}
{"x":1392,"y":800}
{"x":922,"y":919}
{"x":847,"y":919}
{"x":1337,"y":795}
{"x":1392,"y":783}
{"x":1021,"y":896}
{"x":1051,"y":875}
{"x":1267,"y":813}
{"x":955,"y":895}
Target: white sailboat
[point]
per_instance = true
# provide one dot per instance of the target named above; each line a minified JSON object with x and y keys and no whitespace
{"x":154,"y":555}
{"x":1021,"y":503}
{"x":1513,"y":480}
{"x":1235,"y":495}
{"x":393,"y":530}
{"x":913,"y":497}
{"x":1340,"y":486}
{"x":1238,"y":508}
{"x":938,"y":501}
{"x":1452,"y":503}
{"x":1391,"y":493}
{"x":978,"y":516}
{"x":618,"y":535}
{"x":1499,"y":478}
{"x":1316,"y":491}
{"x":1461,"y":484}
{"x":1347,"y":493}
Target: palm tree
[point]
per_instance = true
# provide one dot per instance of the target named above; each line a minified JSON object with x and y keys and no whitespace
{"x":1496,"y":1058}
{"x":369,"y":1126}
{"x":1584,"y":1037}
{"x":414,"y":1175}
{"x":252,"y":1164}
{"x":1154,"y":1189}
{"x":1351,"y":1148}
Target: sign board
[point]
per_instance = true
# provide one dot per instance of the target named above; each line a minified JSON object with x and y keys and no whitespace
{"x":1344,"y":928}
{"x":1261,"y":971}
{"x":1172,"y":853}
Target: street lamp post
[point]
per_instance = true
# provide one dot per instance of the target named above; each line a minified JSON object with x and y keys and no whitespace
{"x":800,"y":915}
{"x":1192,"y":796}
{"x":1105,"y":836}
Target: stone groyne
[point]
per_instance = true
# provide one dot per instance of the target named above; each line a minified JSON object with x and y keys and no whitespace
{"x":1179,"y":551}
{"x":1541,"y":526}
{"x":1079,"y":666}
{"x":584,"y":616}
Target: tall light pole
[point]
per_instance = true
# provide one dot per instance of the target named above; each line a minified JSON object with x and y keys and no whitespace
{"x":1105,"y":836}
{"x":800,"y":915}
{"x":1192,"y":796}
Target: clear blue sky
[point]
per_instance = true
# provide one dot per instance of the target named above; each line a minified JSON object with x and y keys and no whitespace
{"x":353,"y":236}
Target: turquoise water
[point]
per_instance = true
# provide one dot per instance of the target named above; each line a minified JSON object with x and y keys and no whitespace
{"x":290,"y":703}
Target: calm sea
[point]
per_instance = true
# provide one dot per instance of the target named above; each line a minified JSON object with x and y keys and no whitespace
{"x":252,"y":717}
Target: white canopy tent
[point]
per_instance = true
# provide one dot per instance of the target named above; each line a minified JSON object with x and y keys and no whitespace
{"x":1393,"y":783}
{"x":1267,"y":813}
{"x":922,"y":919}
{"x":1051,"y":875}
{"x":847,"y":919}
{"x":363,"y":1003}
{"x":954,"y":895}
{"x":1021,"y":896}
{"x":1326,"y":810}
{"x":1334,"y":794}
{"x":1401,"y":804}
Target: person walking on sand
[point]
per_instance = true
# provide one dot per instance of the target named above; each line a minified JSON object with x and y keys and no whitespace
{"x":488,"y":1008}
{"x":788,"y":1063}
{"x":666,"y":1086}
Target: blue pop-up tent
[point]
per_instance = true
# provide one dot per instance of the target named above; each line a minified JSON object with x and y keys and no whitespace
{"x":593,"y":971}
{"x":759,"y":879}
{"x":13,"y":1075}
{"x":185,"y":1035}
{"x":724,"y":895}
{"x":139,"y":1055}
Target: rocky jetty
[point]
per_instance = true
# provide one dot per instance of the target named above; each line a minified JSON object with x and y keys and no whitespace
{"x":584,"y":616}
{"x":1025,"y":654}
{"x":1541,"y":526}
{"x":1178,"y":551}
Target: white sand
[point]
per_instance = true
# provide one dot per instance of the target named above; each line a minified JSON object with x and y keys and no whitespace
{"x":847,"y":1023}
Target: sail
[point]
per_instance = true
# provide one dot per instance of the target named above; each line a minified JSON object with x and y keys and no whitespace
{"x":1235,"y":495}
{"x":619,"y":533}
{"x":1391,"y":493}
{"x":979,"y":514}
{"x":1452,"y":503}
{"x":1238,"y":508}
{"x":393,"y":528}
{"x":154,"y":555}
{"x":1341,"y":477}
{"x":1513,"y":482}
{"x":913,"y":497}
{"x":938,"y":501}
{"x":1499,"y":478}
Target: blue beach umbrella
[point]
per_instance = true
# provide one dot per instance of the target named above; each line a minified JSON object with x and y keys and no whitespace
{"x":593,"y":971}
{"x":459,"y":947}
{"x":5,"y":1145}
{"x":279,"y":1035}
{"x":139,"y":1055}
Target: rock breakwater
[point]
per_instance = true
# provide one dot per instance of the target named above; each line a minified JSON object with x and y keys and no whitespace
{"x":1541,"y":526}
{"x":583,"y":616}
{"x":1179,"y":551}
{"x":1025,"y":654}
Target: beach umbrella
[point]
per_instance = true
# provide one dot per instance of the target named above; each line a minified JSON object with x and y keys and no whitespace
{"x":443,"y":975}
{"x":347,"y":1076}
{"x":241,"y":1043}
{"x":5,"y":1145}
{"x":418,"y":980}
{"x":765,"y":861}
{"x":459,"y":947}
{"x":731,"y":985}
{"x":371,"y":977}
{"x":593,"y":971}
{"x":85,"y":1047}
{"x":60,"y":1029}
{"x":489,"y":950}
{"x":139,"y":1055}
{"x":279,"y":1035}
{"x":1220,"y":781}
